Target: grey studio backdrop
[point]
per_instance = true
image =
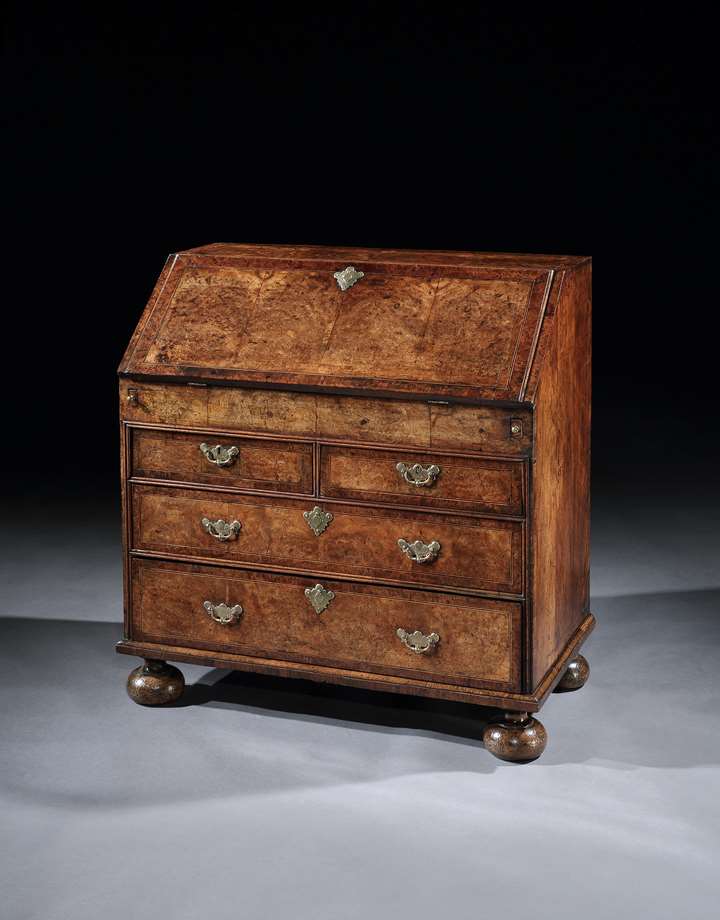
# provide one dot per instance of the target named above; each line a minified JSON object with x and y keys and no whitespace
{"x":265,"y":798}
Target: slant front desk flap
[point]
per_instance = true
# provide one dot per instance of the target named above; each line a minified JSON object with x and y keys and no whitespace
{"x":444,"y":324}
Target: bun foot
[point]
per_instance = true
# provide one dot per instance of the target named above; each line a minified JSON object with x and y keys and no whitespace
{"x":155,"y":683}
{"x":576,"y":675}
{"x":518,"y":738}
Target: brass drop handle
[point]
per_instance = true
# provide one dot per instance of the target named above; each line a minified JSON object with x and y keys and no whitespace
{"x":419,"y":551}
{"x":221,"y":530}
{"x":418,"y":475}
{"x":222,"y":613}
{"x":219,"y":455}
{"x":418,"y":642}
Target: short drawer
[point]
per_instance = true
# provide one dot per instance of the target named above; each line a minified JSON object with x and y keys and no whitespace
{"x":470,"y":553}
{"x":222,"y":460}
{"x":450,"y":638}
{"x":424,"y":479}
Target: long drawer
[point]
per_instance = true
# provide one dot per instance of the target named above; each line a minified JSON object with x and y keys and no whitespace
{"x":469,"y":553}
{"x":228,"y":461}
{"x":431,"y":480}
{"x":465,"y":640}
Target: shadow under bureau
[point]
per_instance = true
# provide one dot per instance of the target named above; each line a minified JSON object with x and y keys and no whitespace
{"x":367,"y":467}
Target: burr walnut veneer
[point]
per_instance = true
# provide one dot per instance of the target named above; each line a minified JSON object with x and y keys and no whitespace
{"x":366,"y":467}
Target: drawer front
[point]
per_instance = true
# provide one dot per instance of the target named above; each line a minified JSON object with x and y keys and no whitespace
{"x":224,"y":460}
{"x":423,"y":425}
{"x":478,"y":640}
{"x":429,"y":479}
{"x":465,"y":552}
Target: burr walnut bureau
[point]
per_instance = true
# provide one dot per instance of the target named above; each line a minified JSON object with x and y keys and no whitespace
{"x":365,"y":467}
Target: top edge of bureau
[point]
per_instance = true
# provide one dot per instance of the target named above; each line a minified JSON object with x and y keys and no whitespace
{"x":373,"y":255}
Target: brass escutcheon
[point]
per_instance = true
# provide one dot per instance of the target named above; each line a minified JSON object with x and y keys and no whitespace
{"x":319,"y":598}
{"x":347,"y":277}
{"x":317,"y":520}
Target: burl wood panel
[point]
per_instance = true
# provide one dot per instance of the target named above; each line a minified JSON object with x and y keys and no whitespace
{"x":371,"y":420}
{"x":263,"y":410}
{"x":479,"y":429}
{"x":464,"y":483}
{"x":264,"y":465}
{"x":476,"y":553}
{"x":157,"y":404}
{"x":479,"y":638}
{"x":418,"y":330}
{"x":476,"y":429}
{"x":560,"y":530}
{"x":467,"y":330}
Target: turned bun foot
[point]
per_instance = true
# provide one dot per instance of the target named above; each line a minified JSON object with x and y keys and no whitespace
{"x":518,"y":738}
{"x":576,"y":675}
{"x":155,"y":683}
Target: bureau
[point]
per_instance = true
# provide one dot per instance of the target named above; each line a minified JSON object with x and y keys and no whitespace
{"x":364,"y":467}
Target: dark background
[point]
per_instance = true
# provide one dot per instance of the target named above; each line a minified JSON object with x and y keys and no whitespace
{"x":131,"y":137}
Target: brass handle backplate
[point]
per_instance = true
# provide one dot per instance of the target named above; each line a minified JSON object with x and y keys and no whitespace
{"x":222,"y":613}
{"x":221,"y":530}
{"x":418,"y":475}
{"x":419,"y":551}
{"x":418,"y":642}
{"x":219,"y":455}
